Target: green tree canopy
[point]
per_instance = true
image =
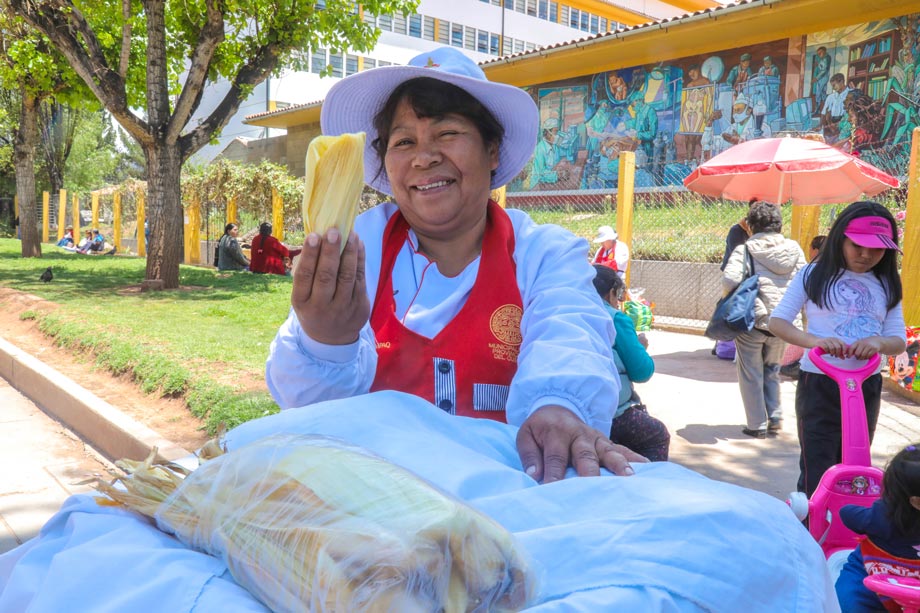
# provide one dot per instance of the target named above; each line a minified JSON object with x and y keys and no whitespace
{"x":179,"y":47}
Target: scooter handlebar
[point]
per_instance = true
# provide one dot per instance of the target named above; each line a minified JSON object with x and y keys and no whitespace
{"x":837,"y":373}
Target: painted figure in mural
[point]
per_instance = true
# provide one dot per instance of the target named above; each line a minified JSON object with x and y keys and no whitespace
{"x":545,"y":156}
{"x":616,"y":86}
{"x":820,"y":73}
{"x":742,"y":126}
{"x":833,"y":109}
{"x":712,"y":142}
{"x":740,"y":73}
{"x":696,"y":78}
{"x":769,"y":69}
{"x":644,"y":123}
{"x":863,"y":123}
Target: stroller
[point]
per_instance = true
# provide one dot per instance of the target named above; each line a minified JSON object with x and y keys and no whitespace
{"x":853,"y":481}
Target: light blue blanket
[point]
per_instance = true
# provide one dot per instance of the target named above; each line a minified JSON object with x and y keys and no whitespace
{"x":666,"y":539}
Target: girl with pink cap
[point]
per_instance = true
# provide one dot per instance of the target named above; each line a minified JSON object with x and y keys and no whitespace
{"x":852,"y":299}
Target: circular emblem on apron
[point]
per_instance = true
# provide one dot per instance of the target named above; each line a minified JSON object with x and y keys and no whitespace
{"x":505,"y":324}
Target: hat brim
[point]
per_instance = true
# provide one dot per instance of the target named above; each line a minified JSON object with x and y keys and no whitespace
{"x":353,"y":102}
{"x":872,"y":241}
{"x":606,"y":237}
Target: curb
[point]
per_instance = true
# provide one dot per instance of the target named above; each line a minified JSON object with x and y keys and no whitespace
{"x":104,"y":427}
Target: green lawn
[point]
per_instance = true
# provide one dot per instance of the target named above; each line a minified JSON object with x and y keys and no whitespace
{"x":207,"y":341}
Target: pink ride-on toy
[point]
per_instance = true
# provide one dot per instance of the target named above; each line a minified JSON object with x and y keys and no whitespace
{"x":855,"y":480}
{"x":903,"y":590}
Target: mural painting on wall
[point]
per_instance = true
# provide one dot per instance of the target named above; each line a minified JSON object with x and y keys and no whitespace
{"x":857,"y":87}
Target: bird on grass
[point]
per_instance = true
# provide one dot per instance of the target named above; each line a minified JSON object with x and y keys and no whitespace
{"x":47,"y":275}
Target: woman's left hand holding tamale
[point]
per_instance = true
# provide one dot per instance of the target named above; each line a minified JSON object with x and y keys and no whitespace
{"x":329,"y":294}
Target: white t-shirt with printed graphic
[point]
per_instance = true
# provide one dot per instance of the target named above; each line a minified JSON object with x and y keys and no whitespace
{"x":858,"y":309}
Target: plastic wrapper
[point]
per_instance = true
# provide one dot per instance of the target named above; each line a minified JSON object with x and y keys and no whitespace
{"x":312,"y":523}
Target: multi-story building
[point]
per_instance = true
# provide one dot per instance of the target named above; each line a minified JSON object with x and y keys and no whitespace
{"x":484,"y":29}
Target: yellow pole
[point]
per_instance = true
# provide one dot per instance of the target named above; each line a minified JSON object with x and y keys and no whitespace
{"x":625,"y":191}
{"x":277,"y":216}
{"x":62,"y":212}
{"x":141,"y":218}
{"x":193,"y":232}
{"x":499,"y":196}
{"x":46,"y":212}
{"x":16,"y":205}
{"x":910,"y":262}
{"x":805,"y":225}
{"x":95,"y":209}
{"x":76,"y":218}
{"x":231,"y":210}
{"x":116,"y":218}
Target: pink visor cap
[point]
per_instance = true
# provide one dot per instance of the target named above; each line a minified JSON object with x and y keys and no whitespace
{"x":871,"y":231}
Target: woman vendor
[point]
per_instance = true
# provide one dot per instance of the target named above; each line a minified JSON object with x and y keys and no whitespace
{"x":445,"y":295}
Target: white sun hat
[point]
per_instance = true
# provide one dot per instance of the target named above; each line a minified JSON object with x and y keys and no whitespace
{"x":605,"y":233}
{"x":353,"y":102}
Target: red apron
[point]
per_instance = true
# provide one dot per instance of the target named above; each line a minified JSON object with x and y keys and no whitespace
{"x":467,"y":368}
{"x":607,"y":257}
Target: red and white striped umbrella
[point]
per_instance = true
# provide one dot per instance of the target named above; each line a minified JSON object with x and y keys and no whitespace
{"x":780,"y":170}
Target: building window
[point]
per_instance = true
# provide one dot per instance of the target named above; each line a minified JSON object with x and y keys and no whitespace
{"x":518,"y":46}
{"x":493,"y":44}
{"x":370,"y":19}
{"x":415,"y":25}
{"x":428,"y":28}
{"x":553,"y":12}
{"x":335,"y":60}
{"x":543,"y":9}
{"x":399,"y":24}
{"x":381,"y":64}
{"x":369,"y":63}
{"x":444,"y":32}
{"x":532,"y":7}
{"x":318,"y":61}
{"x":595,"y":23}
{"x":456,"y":35}
{"x":573,"y":18}
{"x":385,"y":22}
{"x":482,"y":45}
{"x":519,"y":6}
{"x":469,"y":38}
{"x":351,"y":64}
{"x":584,"y":21}
{"x":604,"y":24}
{"x":507,"y":45}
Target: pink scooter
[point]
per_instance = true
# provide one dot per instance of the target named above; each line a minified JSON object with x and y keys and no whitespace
{"x":855,"y":480}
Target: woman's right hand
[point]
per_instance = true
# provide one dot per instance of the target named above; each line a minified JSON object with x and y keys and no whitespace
{"x":330,"y":293}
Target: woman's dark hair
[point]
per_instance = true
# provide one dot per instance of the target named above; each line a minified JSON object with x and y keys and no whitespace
{"x":265,"y":228}
{"x":606,"y":280}
{"x":818,"y":241}
{"x":764,"y":217}
{"x":433,"y":98}
{"x":901,"y":481}
{"x":229,"y":227}
{"x":831,"y":265}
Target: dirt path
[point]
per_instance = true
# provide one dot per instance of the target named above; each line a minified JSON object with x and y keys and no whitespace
{"x":169,"y":417}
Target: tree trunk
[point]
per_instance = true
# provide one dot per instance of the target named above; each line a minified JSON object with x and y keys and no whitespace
{"x":164,"y":209}
{"x":24,"y":160}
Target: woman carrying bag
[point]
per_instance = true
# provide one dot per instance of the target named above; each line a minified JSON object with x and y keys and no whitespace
{"x":776,"y":260}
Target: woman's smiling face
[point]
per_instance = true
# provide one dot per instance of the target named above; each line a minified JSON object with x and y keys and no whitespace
{"x":439,"y":170}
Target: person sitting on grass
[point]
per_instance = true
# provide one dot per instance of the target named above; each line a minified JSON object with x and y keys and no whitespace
{"x":268,"y":253}
{"x":229,"y":254}
{"x":67,"y":240}
{"x":632,"y":426}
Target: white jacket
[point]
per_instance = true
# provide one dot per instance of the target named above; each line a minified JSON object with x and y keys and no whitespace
{"x":776,"y":260}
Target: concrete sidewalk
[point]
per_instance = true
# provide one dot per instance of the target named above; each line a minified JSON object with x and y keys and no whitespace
{"x":693,"y":392}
